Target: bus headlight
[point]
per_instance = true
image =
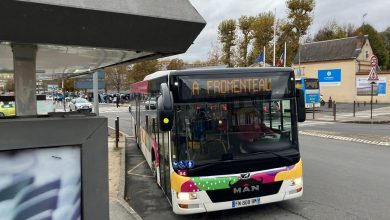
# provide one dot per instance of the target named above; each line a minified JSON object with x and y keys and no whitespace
{"x":186,"y":196}
{"x":297,"y":182}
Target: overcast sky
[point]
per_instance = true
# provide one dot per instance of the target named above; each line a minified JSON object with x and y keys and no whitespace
{"x":342,"y":11}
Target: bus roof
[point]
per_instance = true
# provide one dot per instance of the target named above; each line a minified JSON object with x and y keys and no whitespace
{"x":232,"y":70}
{"x":159,"y":74}
{"x":143,"y":87}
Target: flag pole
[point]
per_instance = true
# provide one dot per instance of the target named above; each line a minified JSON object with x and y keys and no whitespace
{"x":285,"y":54}
{"x":274,"y":35}
{"x":264,"y":58}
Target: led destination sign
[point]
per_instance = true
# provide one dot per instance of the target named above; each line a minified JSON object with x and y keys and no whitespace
{"x":232,"y":86}
{"x":200,"y":87}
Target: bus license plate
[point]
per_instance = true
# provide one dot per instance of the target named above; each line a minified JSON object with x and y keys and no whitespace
{"x":245,"y":202}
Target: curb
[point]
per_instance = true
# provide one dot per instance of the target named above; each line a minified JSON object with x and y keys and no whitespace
{"x":351,"y":122}
{"x":122,"y":181}
{"x":367,"y":122}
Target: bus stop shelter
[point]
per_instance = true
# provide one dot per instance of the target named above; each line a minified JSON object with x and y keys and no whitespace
{"x":64,"y":38}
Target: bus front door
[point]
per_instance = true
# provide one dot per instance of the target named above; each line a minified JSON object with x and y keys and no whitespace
{"x":164,"y":163}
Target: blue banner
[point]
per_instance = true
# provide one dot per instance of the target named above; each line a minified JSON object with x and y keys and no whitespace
{"x":381,"y":88}
{"x":331,"y":77}
{"x":312,"y":98}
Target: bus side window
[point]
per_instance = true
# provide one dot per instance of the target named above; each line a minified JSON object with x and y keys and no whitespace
{"x":154,"y":129}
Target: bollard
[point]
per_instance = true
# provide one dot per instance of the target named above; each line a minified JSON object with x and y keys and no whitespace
{"x":376,"y":101}
{"x":354,"y":108}
{"x":314,"y":108}
{"x":330,"y":102}
{"x":147,"y":122}
{"x":116,"y":132}
{"x":334,"y":110}
{"x":364,"y":103}
{"x":358,"y":104}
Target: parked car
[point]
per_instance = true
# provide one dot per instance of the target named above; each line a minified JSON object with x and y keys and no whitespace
{"x":151,"y":103}
{"x":80,"y":104}
{"x":7,"y":109}
{"x":58,"y":98}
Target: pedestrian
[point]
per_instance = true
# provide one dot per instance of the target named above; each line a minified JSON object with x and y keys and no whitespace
{"x":117,"y":101}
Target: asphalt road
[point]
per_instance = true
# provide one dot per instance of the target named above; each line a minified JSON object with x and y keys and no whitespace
{"x":371,"y":132}
{"x":342,"y":180}
{"x":124,"y":118}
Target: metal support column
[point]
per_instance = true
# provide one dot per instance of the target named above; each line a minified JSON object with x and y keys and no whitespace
{"x":25,"y":79}
{"x":96,"y":93}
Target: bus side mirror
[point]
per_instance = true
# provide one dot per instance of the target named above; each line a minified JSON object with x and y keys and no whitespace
{"x":165,"y":108}
{"x":301,"y":108}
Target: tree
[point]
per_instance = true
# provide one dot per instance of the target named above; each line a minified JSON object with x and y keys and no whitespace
{"x":176,"y":64}
{"x":244,"y":24}
{"x":299,"y":19}
{"x":69,"y":85}
{"x":299,"y":15}
{"x":330,"y":31}
{"x":263,"y":32}
{"x":350,"y":30}
{"x":116,"y":78}
{"x":214,"y":55}
{"x":140,"y":70}
{"x":386,"y":37}
{"x":377,"y":43}
{"x":227,"y":37}
{"x":286,"y":34}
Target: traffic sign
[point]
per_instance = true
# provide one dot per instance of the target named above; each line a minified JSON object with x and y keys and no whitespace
{"x":373,"y":76}
{"x":374,"y":61}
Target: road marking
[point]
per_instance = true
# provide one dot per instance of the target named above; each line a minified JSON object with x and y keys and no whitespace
{"x":136,"y":174}
{"x":312,"y":123}
{"x":131,"y":170}
{"x":350,"y":139}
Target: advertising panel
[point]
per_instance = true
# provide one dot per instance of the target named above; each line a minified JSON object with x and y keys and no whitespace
{"x":363,"y":87}
{"x":43,"y":183}
{"x":312,"y":98}
{"x":330,"y":77}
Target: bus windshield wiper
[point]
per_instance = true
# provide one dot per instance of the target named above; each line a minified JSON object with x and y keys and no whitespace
{"x":284,"y":158}
{"x":210,"y":164}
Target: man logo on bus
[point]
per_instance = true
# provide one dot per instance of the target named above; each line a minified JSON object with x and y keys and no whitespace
{"x":245,"y":175}
{"x":244,"y":185}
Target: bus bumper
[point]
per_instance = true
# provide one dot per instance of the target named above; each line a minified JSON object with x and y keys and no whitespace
{"x":288,"y":190}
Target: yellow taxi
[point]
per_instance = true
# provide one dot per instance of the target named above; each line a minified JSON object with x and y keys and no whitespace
{"x":7,"y":109}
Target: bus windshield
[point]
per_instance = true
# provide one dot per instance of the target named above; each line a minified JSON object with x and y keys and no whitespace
{"x":207,"y":132}
{"x":311,"y":83}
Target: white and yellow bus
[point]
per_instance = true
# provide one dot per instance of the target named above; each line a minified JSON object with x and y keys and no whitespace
{"x":221,"y":138}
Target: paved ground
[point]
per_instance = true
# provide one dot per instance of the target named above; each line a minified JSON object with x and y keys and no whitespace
{"x":377,"y":134}
{"x":119,"y":209}
{"x":343,"y":179}
{"x":344,"y":113}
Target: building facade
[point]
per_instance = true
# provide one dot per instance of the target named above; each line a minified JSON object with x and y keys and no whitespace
{"x":342,"y":67}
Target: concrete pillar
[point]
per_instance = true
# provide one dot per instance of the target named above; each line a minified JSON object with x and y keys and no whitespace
{"x":25,"y":79}
{"x":96,"y":92}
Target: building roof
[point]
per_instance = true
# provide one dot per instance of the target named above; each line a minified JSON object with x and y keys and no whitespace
{"x":340,"y":49}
